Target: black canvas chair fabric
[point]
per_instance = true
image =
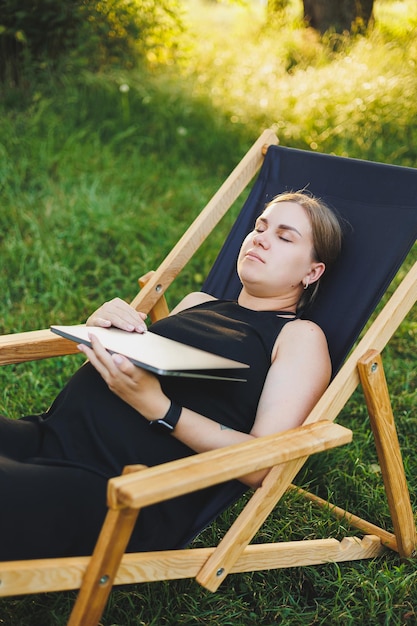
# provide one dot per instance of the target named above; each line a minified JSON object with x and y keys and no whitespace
{"x":378,"y":204}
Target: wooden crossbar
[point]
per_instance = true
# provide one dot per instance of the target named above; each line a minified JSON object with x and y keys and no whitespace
{"x":38,"y":576}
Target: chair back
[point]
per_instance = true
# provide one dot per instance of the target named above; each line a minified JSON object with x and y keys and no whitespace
{"x":379,"y":204}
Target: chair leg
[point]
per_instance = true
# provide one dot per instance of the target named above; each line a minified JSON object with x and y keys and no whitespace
{"x":104,"y":563}
{"x":377,"y":398}
{"x":102,"y":568}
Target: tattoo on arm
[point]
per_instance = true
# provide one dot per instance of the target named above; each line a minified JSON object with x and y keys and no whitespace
{"x":223,"y":427}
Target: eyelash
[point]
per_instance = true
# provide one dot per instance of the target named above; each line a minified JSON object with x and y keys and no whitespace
{"x":258,"y":230}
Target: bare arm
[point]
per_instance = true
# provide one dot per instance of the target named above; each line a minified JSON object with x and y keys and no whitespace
{"x":299,"y":374}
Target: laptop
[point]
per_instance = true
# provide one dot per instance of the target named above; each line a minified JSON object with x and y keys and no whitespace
{"x":157,"y":354}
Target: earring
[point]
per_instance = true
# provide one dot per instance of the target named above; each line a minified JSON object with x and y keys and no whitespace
{"x":306,"y":285}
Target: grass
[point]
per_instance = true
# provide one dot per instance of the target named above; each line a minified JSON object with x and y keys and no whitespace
{"x":98,"y":180}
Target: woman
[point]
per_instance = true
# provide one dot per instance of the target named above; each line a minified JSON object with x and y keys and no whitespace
{"x":54,"y":467}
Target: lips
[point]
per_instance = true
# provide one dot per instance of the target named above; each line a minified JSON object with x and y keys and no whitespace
{"x":254,"y":256}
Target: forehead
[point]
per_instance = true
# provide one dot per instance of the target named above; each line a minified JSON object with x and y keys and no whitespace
{"x":287,"y":213}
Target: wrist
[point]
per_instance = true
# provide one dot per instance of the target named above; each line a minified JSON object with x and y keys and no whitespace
{"x":158,"y":410}
{"x":169,"y":421}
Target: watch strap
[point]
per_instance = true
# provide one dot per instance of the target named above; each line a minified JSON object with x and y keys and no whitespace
{"x":170,"y":419}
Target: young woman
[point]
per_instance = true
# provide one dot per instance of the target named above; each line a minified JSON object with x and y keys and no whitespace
{"x":54,"y":467}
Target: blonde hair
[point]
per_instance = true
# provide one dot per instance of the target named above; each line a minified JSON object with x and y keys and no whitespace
{"x":326,"y":232}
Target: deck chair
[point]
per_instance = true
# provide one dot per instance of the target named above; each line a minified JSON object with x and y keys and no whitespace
{"x":380,"y":204}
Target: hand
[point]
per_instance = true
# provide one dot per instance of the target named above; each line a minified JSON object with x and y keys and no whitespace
{"x":118,"y":313}
{"x":134,"y":385}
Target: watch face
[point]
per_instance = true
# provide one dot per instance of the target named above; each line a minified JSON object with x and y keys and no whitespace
{"x":162,"y":425}
{"x":170,"y":420}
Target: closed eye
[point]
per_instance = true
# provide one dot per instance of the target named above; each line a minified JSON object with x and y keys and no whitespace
{"x":285,"y":235}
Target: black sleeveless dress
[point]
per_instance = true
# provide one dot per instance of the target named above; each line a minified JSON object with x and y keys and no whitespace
{"x":92,"y":431}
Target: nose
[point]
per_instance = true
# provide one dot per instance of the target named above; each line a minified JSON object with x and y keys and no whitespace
{"x":260,"y":239}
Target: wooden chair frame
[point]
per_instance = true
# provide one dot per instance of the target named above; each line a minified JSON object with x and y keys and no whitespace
{"x":284,"y":453}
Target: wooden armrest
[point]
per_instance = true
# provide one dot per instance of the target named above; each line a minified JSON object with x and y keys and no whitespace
{"x":33,"y":345}
{"x":176,"y":478}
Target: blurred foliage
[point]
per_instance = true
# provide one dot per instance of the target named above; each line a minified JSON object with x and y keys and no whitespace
{"x":87,"y":33}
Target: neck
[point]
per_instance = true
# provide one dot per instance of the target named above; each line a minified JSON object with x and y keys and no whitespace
{"x":273,"y":303}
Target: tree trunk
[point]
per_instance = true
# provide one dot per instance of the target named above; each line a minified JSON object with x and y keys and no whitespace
{"x":338,"y":15}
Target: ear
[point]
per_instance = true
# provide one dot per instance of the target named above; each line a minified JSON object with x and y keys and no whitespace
{"x":317,"y":270}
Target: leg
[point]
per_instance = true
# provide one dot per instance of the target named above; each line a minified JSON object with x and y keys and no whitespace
{"x":20,"y":439}
{"x":49,"y":511}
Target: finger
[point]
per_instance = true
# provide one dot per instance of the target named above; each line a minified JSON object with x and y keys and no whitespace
{"x":126,"y":315}
{"x":119,"y":314}
{"x":100,"y":321}
{"x":94,"y":360}
{"x":124,"y":365}
{"x":100,"y":351}
{"x":101,"y":359}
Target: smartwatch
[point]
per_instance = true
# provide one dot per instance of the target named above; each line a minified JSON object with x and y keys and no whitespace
{"x":169,"y":421}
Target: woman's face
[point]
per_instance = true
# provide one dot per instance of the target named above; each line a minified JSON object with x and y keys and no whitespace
{"x":276,"y":258}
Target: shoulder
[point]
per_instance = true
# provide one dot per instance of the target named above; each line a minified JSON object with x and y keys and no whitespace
{"x":192,"y":299}
{"x":301,"y":335}
{"x":302,"y":328}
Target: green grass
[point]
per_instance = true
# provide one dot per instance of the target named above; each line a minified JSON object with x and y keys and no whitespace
{"x":97,"y":183}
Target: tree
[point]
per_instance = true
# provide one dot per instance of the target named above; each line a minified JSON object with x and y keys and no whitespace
{"x":95,"y":33}
{"x":338,"y":15}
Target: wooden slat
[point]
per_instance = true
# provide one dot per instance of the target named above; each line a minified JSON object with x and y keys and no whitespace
{"x":39,"y":576}
{"x":388,"y":448}
{"x":210,"y":468}
{"x":387,"y":539}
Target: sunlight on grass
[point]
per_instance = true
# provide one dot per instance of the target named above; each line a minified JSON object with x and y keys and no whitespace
{"x":400,"y":14}
{"x":352,"y":93}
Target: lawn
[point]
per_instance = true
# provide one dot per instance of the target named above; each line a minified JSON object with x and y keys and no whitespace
{"x":99,"y":176}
